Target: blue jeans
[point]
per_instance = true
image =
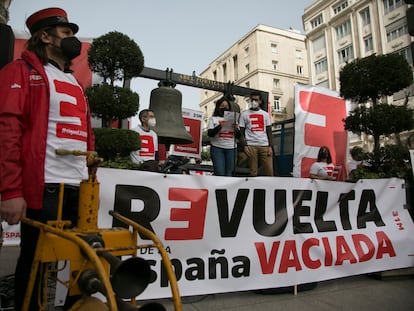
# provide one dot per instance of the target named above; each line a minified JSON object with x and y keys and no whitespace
{"x":223,"y":160}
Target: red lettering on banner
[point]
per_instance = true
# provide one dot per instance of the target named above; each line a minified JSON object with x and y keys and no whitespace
{"x":307,"y":260}
{"x":75,"y":109}
{"x":289,"y":257}
{"x":11,"y":235}
{"x":384,"y":245}
{"x":147,"y":146}
{"x":333,"y":134}
{"x":360,"y":239}
{"x":257,"y":122}
{"x":328,"y":252}
{"x":343,"y":252}
{"x":193,"y":127}
{"x":398,"y":220}
{"x":268,"y":266}
{"x":195,"y":215}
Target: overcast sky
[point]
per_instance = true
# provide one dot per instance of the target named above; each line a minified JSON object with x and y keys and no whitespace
{"x":184,"y":35}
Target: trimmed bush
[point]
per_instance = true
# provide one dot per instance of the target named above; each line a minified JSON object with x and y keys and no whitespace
{"x":114,"y":143}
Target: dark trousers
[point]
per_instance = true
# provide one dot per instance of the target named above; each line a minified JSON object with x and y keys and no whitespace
{"x":30,"y":235}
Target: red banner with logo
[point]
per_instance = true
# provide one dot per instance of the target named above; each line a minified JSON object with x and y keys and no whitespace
{"x":318,"y":122}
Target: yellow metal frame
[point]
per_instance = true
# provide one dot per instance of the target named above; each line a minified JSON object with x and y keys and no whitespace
{"x":59,"y":243}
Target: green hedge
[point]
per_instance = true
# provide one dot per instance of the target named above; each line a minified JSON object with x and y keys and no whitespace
{"x":115,"y":143}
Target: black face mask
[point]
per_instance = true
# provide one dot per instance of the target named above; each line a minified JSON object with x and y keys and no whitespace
{"x":71,"y":47}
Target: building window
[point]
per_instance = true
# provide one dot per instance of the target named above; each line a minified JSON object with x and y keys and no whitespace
{"x":246,"y":51}
{"x":247,"y":84}
{"x":276,"y":83}
{"x":224,"y":72}
{"x":365,"y":17}
{"x":391,"y":5}
{"x":324,"y":84}
{"x":273,"y":48}
{"x":299,"y":70}
{"x":319,"y":44}
{"x":316,"y":21}
{"x":215,"y":75}
{"x":345,"y":54}
{"x":340,"y":7}
{"x":275,"y":65}
{"x":406,"y":53}
{"x":236,"y":68}
{"x":247,"y":68}
{"x":321,"y":66}
{"x":368,"y":44}
{"x":276,"y":103}
{"x":343,"y":30}
{"x":299,"y":54}
{"x":396,"y":30}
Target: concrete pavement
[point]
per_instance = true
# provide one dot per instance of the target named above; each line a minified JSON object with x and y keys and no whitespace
{"x":351,"y":294}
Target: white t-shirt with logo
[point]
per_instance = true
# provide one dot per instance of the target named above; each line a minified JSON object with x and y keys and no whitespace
{"x":67,"y":128}
{"x":322,"y":169}
{"x":224,"y":138}
{"x":149,"y":145}
{"x":255,"y":123}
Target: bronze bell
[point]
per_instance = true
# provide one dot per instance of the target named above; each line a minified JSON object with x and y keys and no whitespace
{"x":166,"y":101}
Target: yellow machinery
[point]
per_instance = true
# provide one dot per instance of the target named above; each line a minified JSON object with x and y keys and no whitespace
{"x":93,"y":254}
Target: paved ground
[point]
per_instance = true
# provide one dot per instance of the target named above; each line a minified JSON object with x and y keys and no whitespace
{"x":394,"y":292}
{"x":350,"y":294}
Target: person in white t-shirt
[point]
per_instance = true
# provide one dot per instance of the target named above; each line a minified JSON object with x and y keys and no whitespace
{"x":323,"y":168}
{"x":223,"y":149}
{"x":256,"y":136}
{"x":148,"y":154}
{"x":42,"y":108}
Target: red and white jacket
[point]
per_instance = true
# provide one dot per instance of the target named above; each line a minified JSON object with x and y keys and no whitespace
{"x":24,"y":111}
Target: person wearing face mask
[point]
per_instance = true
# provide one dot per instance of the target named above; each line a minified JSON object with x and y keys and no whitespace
{"x":323,"y":168}
{"x":42,"y":108}
{"x":147,"y":156}
{"x":223,"y":149}
{"x":256,"y":136}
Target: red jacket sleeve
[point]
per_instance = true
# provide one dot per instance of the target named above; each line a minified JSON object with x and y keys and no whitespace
{"x":13,"y":112}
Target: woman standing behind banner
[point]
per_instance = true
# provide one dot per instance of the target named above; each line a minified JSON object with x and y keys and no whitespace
{"x":222,"y":133}
{"x":323,"y":168}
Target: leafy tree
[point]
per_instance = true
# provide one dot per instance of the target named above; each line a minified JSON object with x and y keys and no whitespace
{"x":112,"y":102}
{"x":115,"y":56}
{"x":375,"y":76}
{"x":386,"y":162}
{"x":381,"y":119}
{"x":369,"y":79}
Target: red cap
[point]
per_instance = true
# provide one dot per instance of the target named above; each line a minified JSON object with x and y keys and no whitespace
{"x":49,"y":17}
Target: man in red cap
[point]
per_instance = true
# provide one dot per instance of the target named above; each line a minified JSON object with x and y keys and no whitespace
{"x":42,"y":108}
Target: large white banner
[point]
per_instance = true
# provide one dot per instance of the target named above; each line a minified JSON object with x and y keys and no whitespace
{"x":318,"y":122}
{"x":227,"y":234}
